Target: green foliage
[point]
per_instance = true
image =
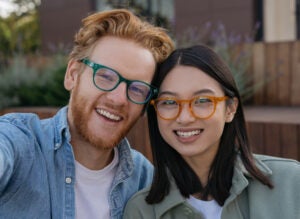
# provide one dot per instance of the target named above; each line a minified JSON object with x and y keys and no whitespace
{"x":19,"y":33}
{"x":57,"y":95}
{"x":5,"y":35}
{"x":28,"y":34}
{"x":34,"y":81}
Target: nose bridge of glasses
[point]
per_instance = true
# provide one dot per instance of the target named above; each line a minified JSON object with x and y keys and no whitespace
{"x":122,"y":79}
{"x":118,"y":93}
{"x":185,"y":108}
{"x":185,"y":101}
{"x":125,"y":80}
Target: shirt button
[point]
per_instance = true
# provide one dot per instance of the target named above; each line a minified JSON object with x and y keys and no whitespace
{"x":68,"y":180}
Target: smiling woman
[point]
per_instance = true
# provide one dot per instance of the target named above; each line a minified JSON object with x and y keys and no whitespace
{"x":204,"y":167}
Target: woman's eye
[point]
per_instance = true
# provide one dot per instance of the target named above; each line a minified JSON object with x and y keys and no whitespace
{"x":202,"y":100}
{"x":167,"y":102}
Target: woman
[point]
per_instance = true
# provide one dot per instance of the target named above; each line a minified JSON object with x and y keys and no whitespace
{"x":204,"y":167}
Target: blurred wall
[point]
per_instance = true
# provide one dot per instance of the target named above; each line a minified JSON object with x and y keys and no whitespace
{"x":60,"y":20}
{"x":236,"y":15}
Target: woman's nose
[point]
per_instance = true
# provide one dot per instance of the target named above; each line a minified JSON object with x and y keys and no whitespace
{"x":185,"y":115}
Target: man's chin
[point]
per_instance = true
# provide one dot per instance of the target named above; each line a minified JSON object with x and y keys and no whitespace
{"x":107,"y":143}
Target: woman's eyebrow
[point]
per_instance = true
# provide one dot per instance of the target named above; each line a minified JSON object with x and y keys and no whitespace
{"x":204,"y":91}
{"x":198,"y":92}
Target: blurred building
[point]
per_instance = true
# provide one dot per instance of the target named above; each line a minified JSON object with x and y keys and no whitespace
{"x":275,"y":20}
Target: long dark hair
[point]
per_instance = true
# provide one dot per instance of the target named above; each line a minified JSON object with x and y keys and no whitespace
{"x":234,"y":139}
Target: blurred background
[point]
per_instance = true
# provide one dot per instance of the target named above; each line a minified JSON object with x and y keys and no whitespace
{"x":259,"y":39}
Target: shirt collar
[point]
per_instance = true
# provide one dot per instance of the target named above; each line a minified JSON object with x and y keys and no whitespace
{"x":126,"y":165}
{"x":239,"y":166}
{"x":241,"y":176}
{"x":61,"y":127}
{"x":171,"y":200}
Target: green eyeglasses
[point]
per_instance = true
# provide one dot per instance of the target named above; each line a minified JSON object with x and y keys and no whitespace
{"x":108,"y":79}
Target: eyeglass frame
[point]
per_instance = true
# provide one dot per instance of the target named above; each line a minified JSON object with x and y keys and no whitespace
{"x":215,"y":100}
{"x":95,"y":66}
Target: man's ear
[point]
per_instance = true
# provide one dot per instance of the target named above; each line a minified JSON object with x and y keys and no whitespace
{"x":231,"y":109}
{"x":72,"y":74}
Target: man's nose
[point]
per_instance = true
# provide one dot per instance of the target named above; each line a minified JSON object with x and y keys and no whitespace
{"x":118,"y":95}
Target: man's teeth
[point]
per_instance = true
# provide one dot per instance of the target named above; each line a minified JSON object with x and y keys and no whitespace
{"x":109,"y":115}
{"x":187,"y":134}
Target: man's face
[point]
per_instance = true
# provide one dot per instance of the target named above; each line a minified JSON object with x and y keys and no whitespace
{"x":102,"y":118}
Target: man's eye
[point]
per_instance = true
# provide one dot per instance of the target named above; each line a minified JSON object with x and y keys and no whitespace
{"x":104,"y":74}
{"x":138,"y":90}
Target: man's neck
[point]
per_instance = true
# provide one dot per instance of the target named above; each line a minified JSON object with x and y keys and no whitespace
{"x":91,"y":157}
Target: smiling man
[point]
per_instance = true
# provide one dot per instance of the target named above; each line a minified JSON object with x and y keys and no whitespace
{"x":78,"y":164}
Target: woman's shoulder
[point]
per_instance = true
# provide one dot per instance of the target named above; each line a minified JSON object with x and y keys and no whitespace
{"x":137,"y":207}
{"x":279,"y":168}
{"x":139,"y":198}
{"x":277,"y":162}
{"x":282,"y":200}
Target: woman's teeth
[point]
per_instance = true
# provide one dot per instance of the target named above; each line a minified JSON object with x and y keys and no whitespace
{"x":188,"y":134}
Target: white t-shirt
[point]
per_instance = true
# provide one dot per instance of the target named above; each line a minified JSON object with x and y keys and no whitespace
{"x":210,"y":209}
{"x":92,"y":190}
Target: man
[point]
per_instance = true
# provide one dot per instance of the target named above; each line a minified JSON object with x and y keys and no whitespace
{"x":78,"y":164}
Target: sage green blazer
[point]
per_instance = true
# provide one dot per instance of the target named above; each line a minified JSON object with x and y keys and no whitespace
{"x":249,"y":199}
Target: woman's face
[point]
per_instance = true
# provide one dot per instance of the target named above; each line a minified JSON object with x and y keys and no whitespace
{"x":192,"y":137}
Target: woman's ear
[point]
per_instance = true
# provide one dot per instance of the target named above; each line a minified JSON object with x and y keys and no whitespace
{"x":72,"y":74}
{"x":231,"y":109}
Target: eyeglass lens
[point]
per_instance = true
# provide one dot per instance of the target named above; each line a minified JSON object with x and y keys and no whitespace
{"x":106,"y":79}
{"x":200,"y":107}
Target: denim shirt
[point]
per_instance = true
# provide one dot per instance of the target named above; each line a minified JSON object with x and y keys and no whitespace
{"x":37,"y":170}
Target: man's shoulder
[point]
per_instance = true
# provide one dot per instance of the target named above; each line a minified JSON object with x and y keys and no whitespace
{"x":18,"y":118}
{"x":142,"y":164}
{"x":138,"y":156}
{"x":134,"y":164}
{"x":19,"y":124}
{"x":127,"y":153}
{"x":31,"y":121}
